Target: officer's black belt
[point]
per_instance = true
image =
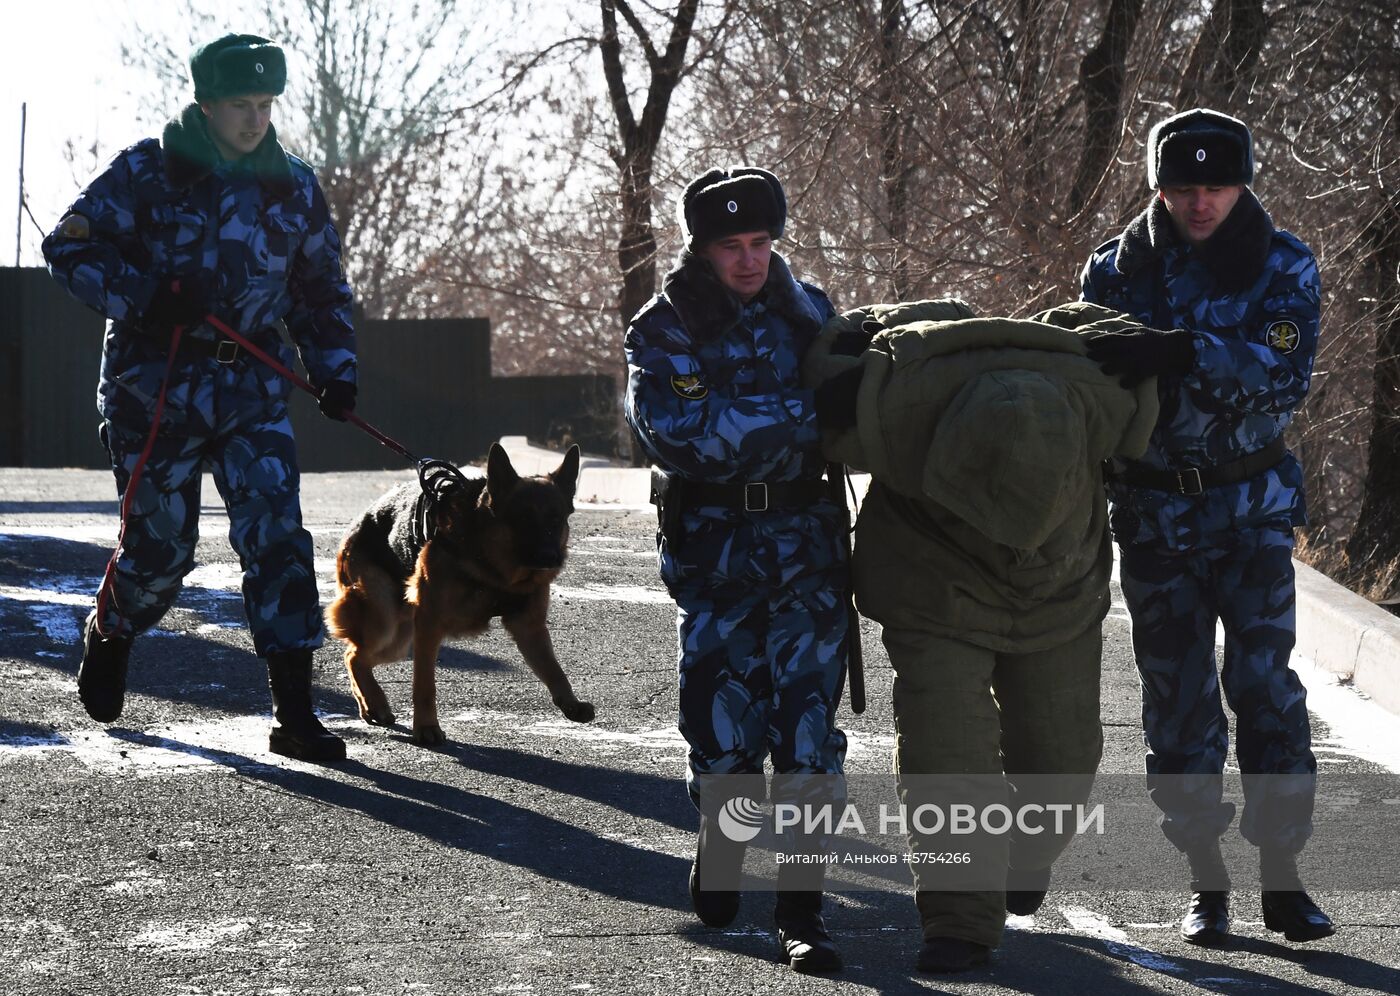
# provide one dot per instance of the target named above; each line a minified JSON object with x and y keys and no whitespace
{"x":1194,"y":480}
{"x":758,"y":496}
{"x":221,"y":349}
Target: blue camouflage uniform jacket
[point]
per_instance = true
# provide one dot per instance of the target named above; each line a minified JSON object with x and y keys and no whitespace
{"x":1250,"y":296}
{"x":259,"y":226}
{"x":713,"y":394}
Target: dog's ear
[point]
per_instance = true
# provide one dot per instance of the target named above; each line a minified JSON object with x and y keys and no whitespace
{"x":566,"y":477}
{"x":500,"y":475}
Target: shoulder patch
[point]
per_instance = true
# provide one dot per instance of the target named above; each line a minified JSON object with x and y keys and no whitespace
{"x":74,"y":226}
{"x":1282,"y":336}
{"x":689,"y":387}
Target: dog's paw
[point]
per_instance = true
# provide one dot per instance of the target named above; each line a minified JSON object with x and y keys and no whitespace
{"x":429,"y":735}
{"x":579,"y":712}
{"x":382,"y":717}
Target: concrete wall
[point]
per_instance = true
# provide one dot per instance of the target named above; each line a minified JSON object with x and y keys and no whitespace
{"x":426,"y":383}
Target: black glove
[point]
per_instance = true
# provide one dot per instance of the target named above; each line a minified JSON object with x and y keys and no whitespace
{"x":180,"y":300}
{"x":1137,"y":354}
{"x":853,"y":342}
{"x":337,"y":400}
{"x":836,"y":400}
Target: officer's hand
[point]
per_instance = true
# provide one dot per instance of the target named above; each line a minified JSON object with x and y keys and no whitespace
{"x":853,"y":342}
{"x":337,"y":400}
{"x":180,"y":300}
{"x":836,"y":400}
{"x":1137,"y":354}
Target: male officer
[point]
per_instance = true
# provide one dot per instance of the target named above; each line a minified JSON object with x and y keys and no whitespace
{"x":1205,"y":519}
{"x":750,"y":547}
{"x":212,"y":218}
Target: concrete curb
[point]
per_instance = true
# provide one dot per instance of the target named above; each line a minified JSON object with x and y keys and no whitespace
{"x":1343,"y":633}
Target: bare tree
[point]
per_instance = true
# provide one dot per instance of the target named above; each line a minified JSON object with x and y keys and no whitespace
{"x":639,"y":137}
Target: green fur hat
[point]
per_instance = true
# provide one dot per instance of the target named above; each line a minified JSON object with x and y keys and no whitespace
{"x":235,"y":65}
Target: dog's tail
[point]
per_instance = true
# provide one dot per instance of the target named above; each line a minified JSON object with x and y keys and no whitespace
{"x":343,"y":614}
{"x":368,"y":603}
{"x":343,"y":573}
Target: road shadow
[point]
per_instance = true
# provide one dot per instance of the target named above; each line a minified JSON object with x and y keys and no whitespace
{"x":14,"y":733}
{"x":481,"y":824}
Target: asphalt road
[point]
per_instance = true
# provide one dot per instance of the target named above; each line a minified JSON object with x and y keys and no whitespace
{"x":171,"y":854}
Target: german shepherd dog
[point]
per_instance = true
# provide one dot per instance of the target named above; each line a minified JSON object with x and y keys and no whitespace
{"x":495,"y":547}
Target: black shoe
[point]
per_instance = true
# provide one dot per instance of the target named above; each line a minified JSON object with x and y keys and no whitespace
{"x":802,"y":934}
{"x":951,"y":954}
{"x":102,"y":674}
{"x":1207,"y":920}
{"x":724,"y":860}
{"x":1295,"y":916}
{"x":298,"y":732}
{"x":1026,"y":890}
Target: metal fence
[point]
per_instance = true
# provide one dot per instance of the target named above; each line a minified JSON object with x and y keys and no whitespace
{"x":426,"y":382}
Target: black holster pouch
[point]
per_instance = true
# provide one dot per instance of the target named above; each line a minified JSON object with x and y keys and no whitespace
{"x":665,"y":495}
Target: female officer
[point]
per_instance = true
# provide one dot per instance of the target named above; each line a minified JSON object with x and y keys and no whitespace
{"x":212,"y":218}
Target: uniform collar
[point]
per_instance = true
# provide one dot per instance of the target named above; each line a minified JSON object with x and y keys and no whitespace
{"x":708,"y":309}
{"x":190,"y":156}
{"x":1235,"y":254}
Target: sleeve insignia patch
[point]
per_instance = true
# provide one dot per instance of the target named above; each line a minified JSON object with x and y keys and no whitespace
{"x":1282,"y":336}
{"x":74,"y":226}
{"x":689,"y":387}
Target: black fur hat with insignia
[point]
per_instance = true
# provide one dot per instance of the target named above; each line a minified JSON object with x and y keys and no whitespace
{"x":235,"y":65}
{"x":725,"y":202}
{"x":1199,"y":147}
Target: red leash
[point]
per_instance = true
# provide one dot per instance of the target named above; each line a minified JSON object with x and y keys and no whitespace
{"x":105,"y":593}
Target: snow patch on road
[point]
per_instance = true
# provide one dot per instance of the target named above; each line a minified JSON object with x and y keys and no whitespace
{"x":189,"y":936}
{"x":139,"y":881}
{"x":57,"y":604}
{"x":1092,"y":924}
{"x":55,"y":591}
{"x":215,"y":577}
{"x":648,"y":739}
{"x":634,"y":593}
{"x":60,"y":623}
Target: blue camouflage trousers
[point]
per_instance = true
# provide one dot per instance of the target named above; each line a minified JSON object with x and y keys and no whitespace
{"x":761,"y":670}
{"x":1245,"y":580}
{"x":255,"y":469}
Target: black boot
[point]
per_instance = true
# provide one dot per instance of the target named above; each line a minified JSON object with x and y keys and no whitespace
{"x":1288,"y":910}
{"x":102,"y":674}
{"x":1207,"y":920}
{"x":1026,"y":890}
{"x":298,"y":732}
{"x":717,"y":902}
{"x":951,"y":954}
{"x":943,"y":954}
{"x":802,"y":934}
